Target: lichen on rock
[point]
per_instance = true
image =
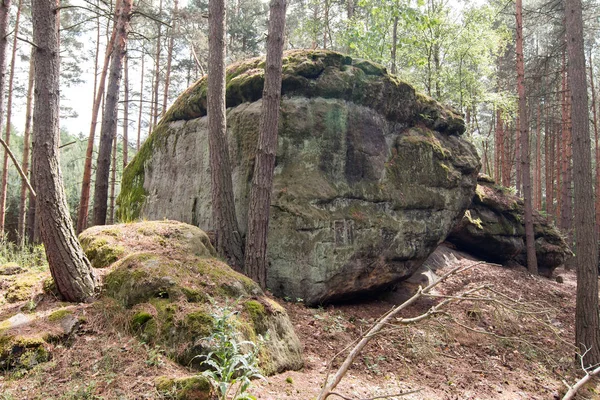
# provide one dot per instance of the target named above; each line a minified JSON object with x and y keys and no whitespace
{"x":370,"y":175}
{"x":169,"y":286}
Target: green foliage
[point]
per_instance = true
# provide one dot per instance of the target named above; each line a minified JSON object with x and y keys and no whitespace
{"x":231,"y":363}
{"x":25,"y":256}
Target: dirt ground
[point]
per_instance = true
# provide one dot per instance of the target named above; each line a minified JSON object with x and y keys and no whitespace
{"x":514,"y":342}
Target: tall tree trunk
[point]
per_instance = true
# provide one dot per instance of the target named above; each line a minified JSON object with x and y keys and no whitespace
{"x":4,"y":14}
{"x":549,"y":164}
{"x":262,"y":181}
{"x":157,"y":69}
{"x":394,"y":42}
{"x":139,"y":127}
{"x":125,"y":110}
{"x":69,"y":266}
{"x":596,"y":147}
{"x":109,"y":119}
{"x":11,"y":79}
{"x":86,"y":183}
{"x":174,"y":20}
{"x":517,"y":155}
{"x":26,"y":155}
{"x":587,"y":326}
{"x":227,"y":234}
{"x":525,"y":154}
{"x":113,"y":181}
{"x":538,"y":160}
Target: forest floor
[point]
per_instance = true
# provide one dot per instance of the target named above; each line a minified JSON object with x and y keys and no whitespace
{"x":513,"y":344}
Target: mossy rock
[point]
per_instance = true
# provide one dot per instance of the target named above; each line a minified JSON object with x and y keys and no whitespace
{"x":10,"y":268}
{"x":22,"y":352}
{"x":493,"y":229}
{"x":23,"y":286}
{"x":195,"y":387}
{"x":370,"y":175}
{"x":170,"y":286}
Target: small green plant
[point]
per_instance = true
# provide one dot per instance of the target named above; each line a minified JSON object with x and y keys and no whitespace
{"x":26,"y":256}
{"x":231,"y":363}
{"x":154,"y":357}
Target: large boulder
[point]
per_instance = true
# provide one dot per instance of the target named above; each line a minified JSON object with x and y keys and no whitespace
{"x":493,"y":229}
{"x":173,"y":291}
{"x":370,"y":176}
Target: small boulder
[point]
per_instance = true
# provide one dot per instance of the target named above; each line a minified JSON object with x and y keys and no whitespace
{"x":173,"y":290}
{"x":493,"y":229}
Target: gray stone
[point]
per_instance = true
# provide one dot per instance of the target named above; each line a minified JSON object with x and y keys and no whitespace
{"x":370,"y":176}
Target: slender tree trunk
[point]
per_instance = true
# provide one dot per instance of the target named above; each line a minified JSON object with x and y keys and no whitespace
{"x":262,"y":181}
{"x":169,"y":57}
{"x":86,"y":183}
{"x":517,"y":154}
{"x":26,"y":155}
{"x":538,"y":160}
{"x":157,"y":69}
{"x":227,"y":234}
{"x":139,"y":127}
{"x":549,"y":162}
{"x":125,"y":110}
{"x":394,"y":42}
{"x":4,"y":14}
{"x":525,"y":154}
{"x":113,"y":180}
{"x":152,"y":104}
{"x":596,"y":147}
{"x":11,"y":79}
{"x":109,"y":119}
{"x":70,"y":268}
{"x":587,"y":326}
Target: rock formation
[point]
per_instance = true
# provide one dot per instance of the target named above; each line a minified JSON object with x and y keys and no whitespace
{"x":173,"y":291}
{"x":493,"y":229}
{"x":370,"y":176}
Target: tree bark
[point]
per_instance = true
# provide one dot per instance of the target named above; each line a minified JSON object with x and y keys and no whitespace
{"x":174,"y":22}
{"x":26,"y":147}
{"x":525,"y":153}
{"x":227,"y":234}
{"x":262,"y":181}
{"x":139,"y":127}
{"x":538,"y":160}
{"x":69,"y":267}
{"x":113,"y":181}
{"x":109,"y":119}
{"x":596,"y":147}
{"x":125,"y":110}
{"x":157,"y":69}
{"x":11,"y":79}
{"x":587,"y":327}
{"x":86,"y":183}
{"x":4,"y":14}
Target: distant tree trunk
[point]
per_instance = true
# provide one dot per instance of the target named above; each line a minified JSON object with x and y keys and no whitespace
{"x":113,"y":181}
{"x":4,"y":14}
{"x":499,"y":147}
{"x":262,"y":181}
{"x":139,"y":127}
{"x":152,"y":104}
{"x":394,"y":40}
{"x":157,"y":69}
{"x":517,"y":155}
{"x":109,"y":119}
{"x":565,"y":212}
{"x":525,"y":154}
{"x":174,"y":20}
{"x":538,"y":160}
{"x":11,"y":79}
{"x":227,"y":234}
{"x":587,"y":326}
{"x":125,"y":110}
{"x":325,"y":23}
{"x":70,"y":268}
{"x":86,"y":183}
{"x":596,"y":147}
{"x":26,"y":155}
{"x":549,"y":158}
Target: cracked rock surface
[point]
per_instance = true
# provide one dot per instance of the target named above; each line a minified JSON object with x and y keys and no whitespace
{"x":370,"y":176}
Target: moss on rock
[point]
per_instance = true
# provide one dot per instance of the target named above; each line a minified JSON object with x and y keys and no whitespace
{"x":22,"y":352}
{"x":196,"y":387}
{"x":169,"y":286}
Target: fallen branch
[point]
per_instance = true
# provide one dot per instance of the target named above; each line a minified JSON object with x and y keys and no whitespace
{"x":581,"y":383}
{"x":384,"y":321}
{"x":23,"y":176}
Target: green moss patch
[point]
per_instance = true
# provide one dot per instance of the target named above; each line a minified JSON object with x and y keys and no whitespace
{"x":22,"y":352}
{"x":23,"y":286}
{"x":189,"y":388}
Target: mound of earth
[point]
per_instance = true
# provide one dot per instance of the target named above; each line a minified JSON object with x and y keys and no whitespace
{"x":493,"y":229}
{"x":166,"y":281}
{"x":370,"y":176}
